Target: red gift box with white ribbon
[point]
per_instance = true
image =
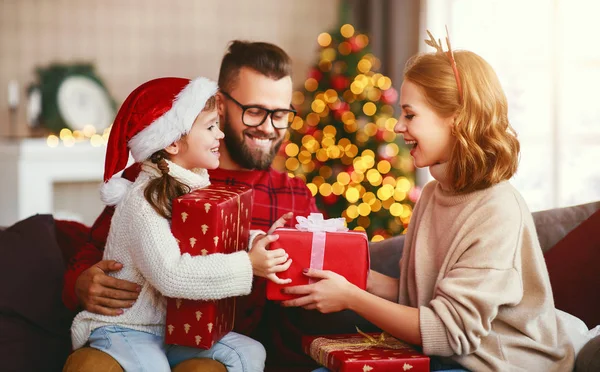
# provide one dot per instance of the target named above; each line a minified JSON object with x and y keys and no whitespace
{"x":321,"y":244}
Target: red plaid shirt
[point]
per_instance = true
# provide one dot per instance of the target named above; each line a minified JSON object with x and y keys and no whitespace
{"x":274,"y":195}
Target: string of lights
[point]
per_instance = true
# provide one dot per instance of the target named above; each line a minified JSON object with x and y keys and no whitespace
{"x":69,"y":138}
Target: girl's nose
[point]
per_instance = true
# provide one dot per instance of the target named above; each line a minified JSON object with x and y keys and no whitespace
{"x":220,"y":134}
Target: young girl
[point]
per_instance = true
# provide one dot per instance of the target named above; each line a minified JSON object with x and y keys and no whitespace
{"x":170,"y":125}
{"x":473,"y":286}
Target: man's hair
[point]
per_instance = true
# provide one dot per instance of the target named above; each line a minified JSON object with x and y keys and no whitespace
{"x":487,"y":149}
{"x":265,"y":58}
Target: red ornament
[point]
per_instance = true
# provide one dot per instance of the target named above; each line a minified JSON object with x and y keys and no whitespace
{"x":315,"y":73}
{"x":382,"y":153}
{"x":381,"y":232}
{"x":341,"y":108}
{"x":389,"y":96}
{"x":311,"y":130}
{"x":414,"y":194}
{"x":339,"y":82}
{"x":336,"y":105}
{"x":354,"y":46}
{"x":330,"y":199}
{"x":281,"y":150}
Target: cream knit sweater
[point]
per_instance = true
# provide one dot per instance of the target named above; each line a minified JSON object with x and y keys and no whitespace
{"x":473,"y":266}
{"x":141,"y":240}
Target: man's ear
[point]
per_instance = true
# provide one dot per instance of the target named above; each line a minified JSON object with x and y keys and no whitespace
{"x":220,"y":104}
{"x":173,"y":149}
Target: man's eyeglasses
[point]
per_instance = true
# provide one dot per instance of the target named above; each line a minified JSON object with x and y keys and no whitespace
{"x":253,"y":116}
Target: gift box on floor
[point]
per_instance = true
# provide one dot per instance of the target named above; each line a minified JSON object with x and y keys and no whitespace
{"x":215,"y":219}
{"x":362,"y":352}
{"x":321,"y":244}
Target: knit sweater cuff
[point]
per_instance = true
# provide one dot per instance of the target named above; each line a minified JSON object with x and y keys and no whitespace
{"x":433,"y":334}
{"x":241,"y":272}
{"x":253,"y":235}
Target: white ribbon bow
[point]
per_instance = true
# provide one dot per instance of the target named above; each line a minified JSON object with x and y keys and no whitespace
{"x":316,"y":223}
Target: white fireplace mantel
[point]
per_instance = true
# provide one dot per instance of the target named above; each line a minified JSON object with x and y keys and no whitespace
{"x":30,"y":168}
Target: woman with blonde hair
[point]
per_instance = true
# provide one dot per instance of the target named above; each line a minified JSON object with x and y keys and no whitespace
{"x":473,"y":287}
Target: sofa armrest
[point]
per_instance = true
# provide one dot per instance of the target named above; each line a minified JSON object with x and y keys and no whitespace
{"x":386,"y":254}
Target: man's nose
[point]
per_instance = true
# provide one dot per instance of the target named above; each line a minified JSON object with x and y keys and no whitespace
{"x":267,"y":125}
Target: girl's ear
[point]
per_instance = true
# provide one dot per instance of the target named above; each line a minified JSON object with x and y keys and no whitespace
{"x":173,"y":149}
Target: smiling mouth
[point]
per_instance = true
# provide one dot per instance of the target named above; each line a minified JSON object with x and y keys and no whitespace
{"x":260,"y":141}
{"x":215,"y":150}
{"x":411,"y":143}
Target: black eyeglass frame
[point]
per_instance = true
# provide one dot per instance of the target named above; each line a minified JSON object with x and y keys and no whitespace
{"x":266,"y":110}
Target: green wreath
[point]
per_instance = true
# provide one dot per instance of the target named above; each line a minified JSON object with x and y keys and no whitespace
{"x":49,"y":81}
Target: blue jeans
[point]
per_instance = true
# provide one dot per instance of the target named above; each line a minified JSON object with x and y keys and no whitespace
{"x":141,"y":351}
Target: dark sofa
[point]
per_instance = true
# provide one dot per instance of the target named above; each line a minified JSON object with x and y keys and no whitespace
{"x":34,"y":324}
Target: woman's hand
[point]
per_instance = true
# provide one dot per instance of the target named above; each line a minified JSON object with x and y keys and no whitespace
{"x":267,"y":263}
{"x":330,"y":294}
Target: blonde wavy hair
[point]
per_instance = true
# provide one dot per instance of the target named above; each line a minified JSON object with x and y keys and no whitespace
{"x":486,"y":151}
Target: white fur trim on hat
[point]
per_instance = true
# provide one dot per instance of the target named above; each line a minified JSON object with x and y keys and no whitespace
{"x":113,"y":191}
{"x":174,"y":123}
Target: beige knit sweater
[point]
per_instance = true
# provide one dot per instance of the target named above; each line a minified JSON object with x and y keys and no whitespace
{"x":473,"y":266}
{"x":141,"y":240}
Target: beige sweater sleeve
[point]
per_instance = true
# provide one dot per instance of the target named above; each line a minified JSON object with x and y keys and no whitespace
{"x":485,"y":277}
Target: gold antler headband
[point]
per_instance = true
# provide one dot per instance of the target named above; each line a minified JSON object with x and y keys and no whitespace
{"x":438,"y":46}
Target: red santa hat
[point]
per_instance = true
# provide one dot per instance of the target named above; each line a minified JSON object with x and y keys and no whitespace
{"x":155,"y":115}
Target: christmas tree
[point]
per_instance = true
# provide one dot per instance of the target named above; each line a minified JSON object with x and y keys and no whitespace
{"x":342,"y":141}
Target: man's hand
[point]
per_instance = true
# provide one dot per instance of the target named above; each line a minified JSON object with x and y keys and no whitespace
{"x":102,"y":294}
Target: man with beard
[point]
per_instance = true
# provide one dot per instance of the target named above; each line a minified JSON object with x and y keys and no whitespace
{"x":255,"y":109}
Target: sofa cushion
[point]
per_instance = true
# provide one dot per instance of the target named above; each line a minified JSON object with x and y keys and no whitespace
{"x":552,"y":225}
{"x":574,"y":275}
{"x":34,"y":324}
{"x":386,"y":255}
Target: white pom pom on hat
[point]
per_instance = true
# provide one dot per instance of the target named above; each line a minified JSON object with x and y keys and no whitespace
{"x":113,"y":191}
{"x":153,"y":116}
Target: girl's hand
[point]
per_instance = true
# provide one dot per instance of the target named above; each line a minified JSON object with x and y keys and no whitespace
{"x":330,"y":294}
{"x":267,"y":263}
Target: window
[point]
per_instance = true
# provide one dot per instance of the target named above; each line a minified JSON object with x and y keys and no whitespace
{"x":547,"y":57}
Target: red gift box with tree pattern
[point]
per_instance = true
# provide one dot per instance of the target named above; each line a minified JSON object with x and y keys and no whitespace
{"x":215,"y":219}
{"x":364,"y":352}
